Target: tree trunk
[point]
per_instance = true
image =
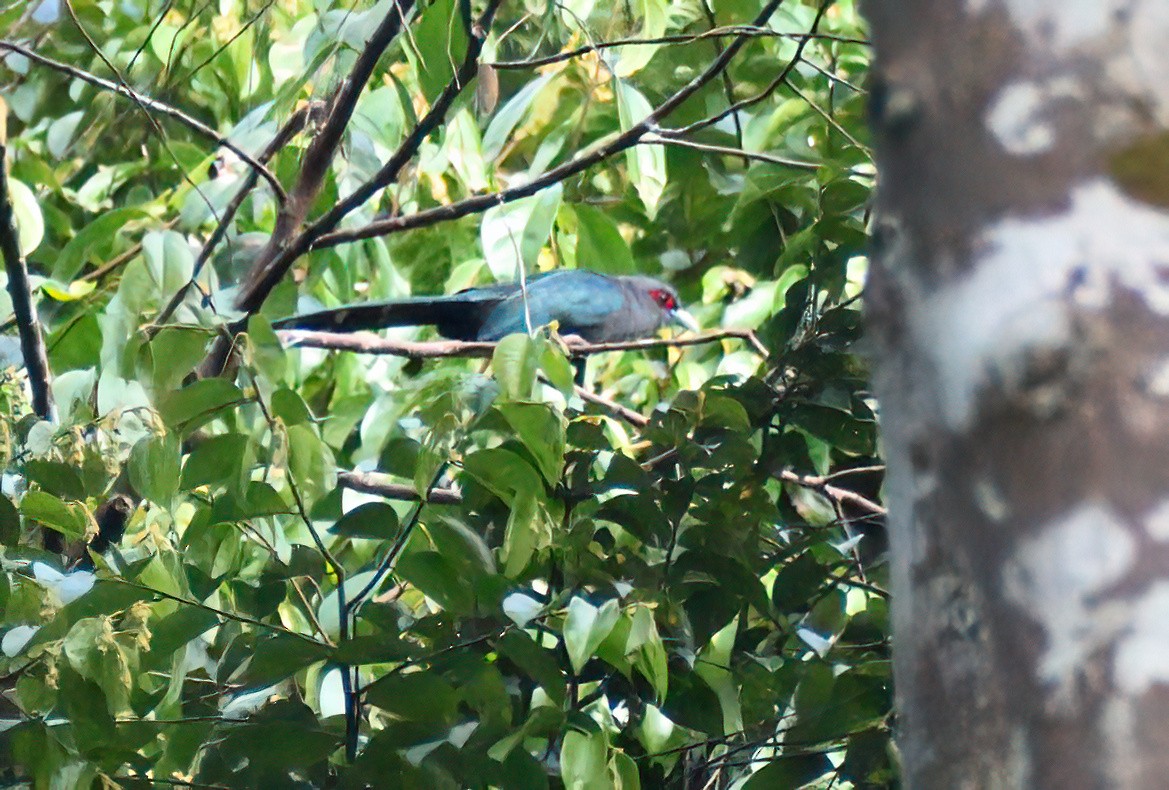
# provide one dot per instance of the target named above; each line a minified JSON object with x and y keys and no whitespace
{"x":1020,"y":306}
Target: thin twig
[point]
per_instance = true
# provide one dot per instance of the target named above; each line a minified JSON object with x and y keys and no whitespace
{"x":827,"y":116}
{"x":833,"y":492}
{"x":150,"y":104}
{"x":738,"y":31}
{"x":653,"y":139}
{"x":624,"y":412}
{"x":239,"y":618}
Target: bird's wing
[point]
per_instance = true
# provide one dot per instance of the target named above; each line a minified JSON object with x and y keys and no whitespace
{"x":578,"y":300}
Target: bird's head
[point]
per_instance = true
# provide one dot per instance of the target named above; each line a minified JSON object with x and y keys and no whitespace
{"x":666,"y":299}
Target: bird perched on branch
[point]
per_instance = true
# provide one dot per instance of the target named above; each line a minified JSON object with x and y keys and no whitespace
{"x":598,"y":307}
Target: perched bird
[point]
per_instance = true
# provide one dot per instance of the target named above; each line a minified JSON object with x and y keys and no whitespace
{"x":597,"y":307}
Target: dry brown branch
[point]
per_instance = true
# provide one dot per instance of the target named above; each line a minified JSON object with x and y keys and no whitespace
{"x":370,"y":343}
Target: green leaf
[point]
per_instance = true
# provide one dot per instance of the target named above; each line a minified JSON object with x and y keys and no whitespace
{"x":310,"y":461}
{"x":645,"y":643}
{"x":537,"y":662}
{"x":215,"y":460}
{"x":839,"y":428}
{"x":9,"y":522}
{"x":154,"y":467}
{"x":169,"y":261}
{"x":515,"y":362}
{"x":521,"y":537}
{"x":505,"y":473}
{"x":174,"y":352}
{"x":583,"y":760}
{"x":198,"y":403}
{"x":599,"y":244}
{"x":91,"y":240}
{"x":373,"y":520}
{"x":586,"y":627}
{"x":646,"y":163}
{"x":30,"y":224}
{"x":793,"y":771}
{"x":514,"y":233}
{"x":276,"y":657}
{"x":67,"y":518}
{"x":415,"y":696}
{"x":438,"y":579}
{"x":540,"y":428}
{"x":441,"y":43}
{"x":509,"y":115}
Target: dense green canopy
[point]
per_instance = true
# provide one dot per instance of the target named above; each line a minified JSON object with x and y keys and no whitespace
{"x":654,"y":582}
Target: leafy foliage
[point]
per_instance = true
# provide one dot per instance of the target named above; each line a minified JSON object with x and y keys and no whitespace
{"x":606,"y":603}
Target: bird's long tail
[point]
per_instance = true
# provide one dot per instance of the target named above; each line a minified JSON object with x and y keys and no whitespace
{"x":457,"y":316}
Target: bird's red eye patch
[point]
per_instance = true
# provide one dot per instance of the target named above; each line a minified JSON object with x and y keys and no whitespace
{"x":664,"y":299}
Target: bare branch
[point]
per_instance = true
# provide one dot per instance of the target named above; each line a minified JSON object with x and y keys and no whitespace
{"x":383,"y":485}
{"x":370,"y":343}
{"x":150,"y":104}
{"x":32,"y":341}
{"x":835,"y":493}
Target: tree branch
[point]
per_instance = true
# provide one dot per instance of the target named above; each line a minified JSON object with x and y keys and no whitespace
{"x":282,"y":137}
{"x":833,"y":492}
{"x":150,"y":104}
{"x":32,"y":341}
{"x":319,"y":156}
{"x":382,"y":485}
{"x":370,"y":343}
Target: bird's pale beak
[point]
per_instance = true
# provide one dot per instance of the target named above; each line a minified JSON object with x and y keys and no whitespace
{"x":684,"y":319}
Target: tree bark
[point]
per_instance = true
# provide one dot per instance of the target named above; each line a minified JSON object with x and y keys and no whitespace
{"x":1019,"y":303}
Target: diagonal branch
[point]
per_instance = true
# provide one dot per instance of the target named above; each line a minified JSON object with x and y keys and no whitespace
{"x":263,"y":281}
{"x":321,"y":151}
{"x":282,"y":137}
{"x":153,"y":105}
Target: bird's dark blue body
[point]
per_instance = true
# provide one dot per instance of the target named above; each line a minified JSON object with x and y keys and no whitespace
{"x":597,"y":307}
